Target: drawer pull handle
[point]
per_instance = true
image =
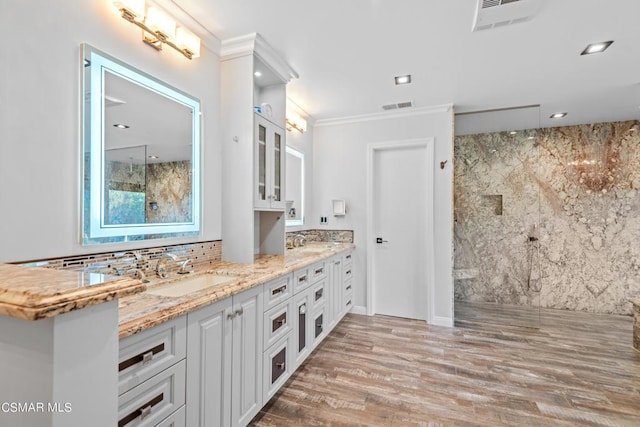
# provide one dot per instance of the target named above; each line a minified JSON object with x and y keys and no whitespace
{"x":347,"y":272}
{"x":337,"y":263}
{"x":302,"y":279}
{"x":319,"y":270}
{"x":281,"y":322}
{"x":143,"y":411}
{"x":239,"y":312}
{"x":278,"y":322}
{"x":231,"y":315}
{"x":279,"y":290}
{"x":348,"y":257}
{"x":319,"y":293}
{"x":280,"y":365}
{"x":145,"y":357}
{"x":348,"y":287}
{"x":348,"y":303}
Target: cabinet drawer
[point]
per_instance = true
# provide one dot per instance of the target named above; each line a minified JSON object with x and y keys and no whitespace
{"x":301,"y":280}
{"x":276,"y":367}
{"x":153,"y":400}
{"x":177,"y":419}
{"x":144,"y":355}
{"x":348,"y":302}
{"x":277,"y":290}
{"x":317,"y":272}
{"x":318,"y":294}
{"x":278,"y":321}
{"x":348,"y":287}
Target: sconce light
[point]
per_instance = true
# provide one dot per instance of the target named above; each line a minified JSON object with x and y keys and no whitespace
{"x":159,"y":28}
{"x":296,"y":122}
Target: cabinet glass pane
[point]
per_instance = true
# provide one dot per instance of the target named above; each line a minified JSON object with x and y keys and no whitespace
{"x":277,"y":148}
{"x":262,"y":161}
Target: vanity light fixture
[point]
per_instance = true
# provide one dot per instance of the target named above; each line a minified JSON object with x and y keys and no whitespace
{"x":159,"y":28}
{"x":403,"y":80}
{"x":121,"y":126}
{"x":557,"y":115}
{"x":257,"y":74}
{"x":596,"y":47}
{"x":154,"y":157}
{"x":296,"y":122}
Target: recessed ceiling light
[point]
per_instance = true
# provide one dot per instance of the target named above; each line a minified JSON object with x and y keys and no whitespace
{"x":257,"y":74}
{"x":596,"y":47}
{"x":403,"y":80}
{"x":121,"y":126}
{"x":557,"y":115}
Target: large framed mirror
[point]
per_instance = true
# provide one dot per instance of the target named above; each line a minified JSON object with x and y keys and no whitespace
{"x":294,"y":187}
{"x":141,"y":145}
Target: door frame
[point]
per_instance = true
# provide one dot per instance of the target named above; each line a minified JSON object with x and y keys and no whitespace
{"x":372,"y":149}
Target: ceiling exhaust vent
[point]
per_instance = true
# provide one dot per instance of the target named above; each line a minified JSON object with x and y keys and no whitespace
{"x":498,"y":13}
{"x":405,"y":104}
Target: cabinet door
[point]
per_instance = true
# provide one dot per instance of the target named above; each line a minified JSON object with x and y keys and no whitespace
{"x":246,"y":389}
{"x":277,"y":172}
{"x":260,"y":160}
{"x":302,"y":331}
{"x":209,"y":369}
{"x":337,"y":309}
{"x":269,"y":166}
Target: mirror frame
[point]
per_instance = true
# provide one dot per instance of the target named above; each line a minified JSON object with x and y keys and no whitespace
{"x":93,"y":132}
{"x":297,"y":153}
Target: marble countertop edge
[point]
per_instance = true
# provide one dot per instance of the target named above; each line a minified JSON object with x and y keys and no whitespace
{"x":144,"y":310}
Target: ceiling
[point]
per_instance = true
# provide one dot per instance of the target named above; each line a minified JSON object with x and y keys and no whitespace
{"x":347,"y":53}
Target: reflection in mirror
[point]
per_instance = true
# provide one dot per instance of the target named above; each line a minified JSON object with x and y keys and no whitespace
{"x":141,"y":154}
{"x":294,"y":187}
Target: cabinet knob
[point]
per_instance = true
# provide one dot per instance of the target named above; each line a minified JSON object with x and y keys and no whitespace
{"x":239,"y":312}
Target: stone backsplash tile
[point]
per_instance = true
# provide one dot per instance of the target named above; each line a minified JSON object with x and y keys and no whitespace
{"x":342,"y":236}
{"x":202,"y":255}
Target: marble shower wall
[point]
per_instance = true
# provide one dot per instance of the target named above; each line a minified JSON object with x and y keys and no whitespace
{"x":549,"y":216}
{"x":169,"y":186}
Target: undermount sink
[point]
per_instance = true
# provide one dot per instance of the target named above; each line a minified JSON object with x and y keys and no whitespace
{"x":190,"y":285}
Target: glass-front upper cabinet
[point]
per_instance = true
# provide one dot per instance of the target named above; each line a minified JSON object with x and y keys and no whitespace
{"x":269,"y":165}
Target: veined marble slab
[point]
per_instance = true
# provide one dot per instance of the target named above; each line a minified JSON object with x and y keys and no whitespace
{"x":145,"y":310}
{"x":33,"y":293}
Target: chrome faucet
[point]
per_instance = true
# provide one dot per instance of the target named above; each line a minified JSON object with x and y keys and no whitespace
{"x":298,"y":240}
{"x":184,"y":266}
{"x":161,"y":269}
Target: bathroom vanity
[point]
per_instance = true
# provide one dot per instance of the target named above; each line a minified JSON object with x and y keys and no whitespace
{"x":206,"y":348}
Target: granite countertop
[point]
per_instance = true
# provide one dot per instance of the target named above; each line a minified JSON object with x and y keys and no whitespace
{"x":33,"y":293}
{"x":145,"y":310}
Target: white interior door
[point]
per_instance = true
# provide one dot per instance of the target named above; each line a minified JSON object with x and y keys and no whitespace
{"x":401,"y":205}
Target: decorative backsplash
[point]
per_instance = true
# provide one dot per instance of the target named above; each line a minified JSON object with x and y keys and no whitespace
{"x":201,"y":254}
{"x":342,"y":236}
{"x":550,"y":217}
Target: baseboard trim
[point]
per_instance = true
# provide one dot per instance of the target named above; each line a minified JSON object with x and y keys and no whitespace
{"x":359,"y":309}
{"x":442,"y":321}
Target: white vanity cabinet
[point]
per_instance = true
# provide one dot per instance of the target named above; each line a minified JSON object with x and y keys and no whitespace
{"x":224,"y":354}
{"x":151,"y":375}
{"x":269,"y":166}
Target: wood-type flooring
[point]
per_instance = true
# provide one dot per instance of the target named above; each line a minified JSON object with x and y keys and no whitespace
{"x":577,"y":369}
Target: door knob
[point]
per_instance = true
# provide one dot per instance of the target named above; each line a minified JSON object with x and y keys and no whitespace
{"x":380,"y":241}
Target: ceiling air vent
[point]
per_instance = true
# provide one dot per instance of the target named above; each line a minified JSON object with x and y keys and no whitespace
{"x":498,"y":13}
{"x":405,"y":104}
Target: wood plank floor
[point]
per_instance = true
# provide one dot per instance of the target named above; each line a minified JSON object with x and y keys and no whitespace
{"x":576,"y":370}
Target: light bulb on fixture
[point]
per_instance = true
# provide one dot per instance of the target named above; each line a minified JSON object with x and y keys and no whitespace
{"x":296,"y":122}
{"x":159,"y":27}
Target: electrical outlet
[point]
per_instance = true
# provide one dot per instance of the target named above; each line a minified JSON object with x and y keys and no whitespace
{"x":323,"y":220}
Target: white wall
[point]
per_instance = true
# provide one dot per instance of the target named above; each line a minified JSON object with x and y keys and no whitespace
{"x":340,"y":170}
{"x":39,"y":120}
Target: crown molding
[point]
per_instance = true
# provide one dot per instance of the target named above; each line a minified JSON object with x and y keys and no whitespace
{"x":409,"y":112}
{"x":206,"y":37}
{"x":255,"y":44}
